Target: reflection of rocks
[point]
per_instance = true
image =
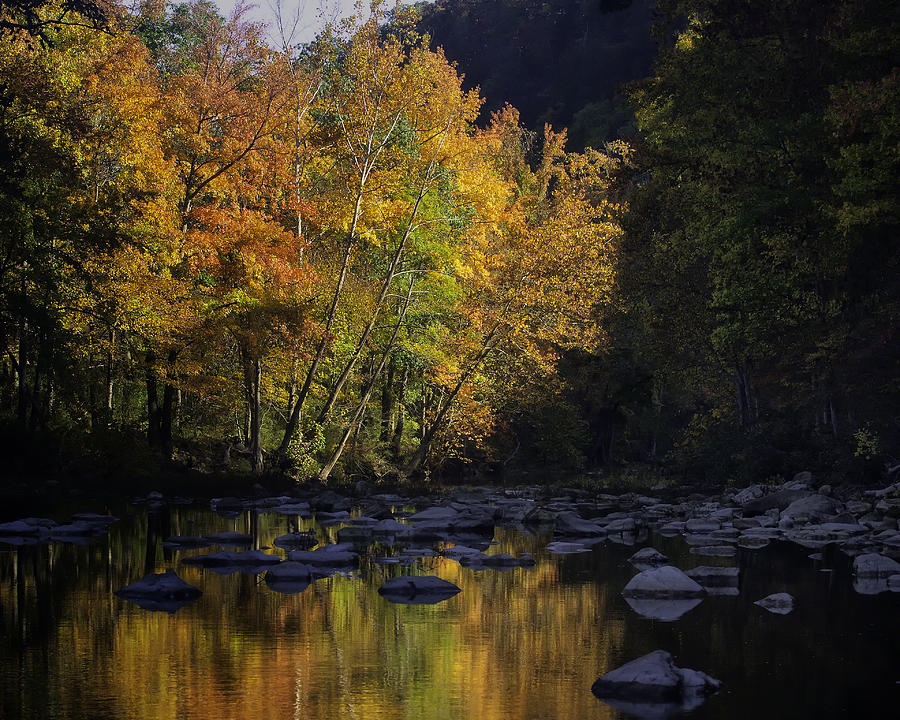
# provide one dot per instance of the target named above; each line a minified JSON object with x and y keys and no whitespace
{"x":870,"y":586}
{"x":663,"y":610}
{"x":229,"y":538}
{"x":418,"y":590}
{"x":225,"y":562}
{"x":663,"y":583}
{"x":653,"y":687}
{"x":185,"y":542}
{"x":163,"y":591}
{"x":778,"y":603}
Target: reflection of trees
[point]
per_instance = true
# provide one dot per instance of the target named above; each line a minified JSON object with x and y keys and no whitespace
{"x":523,"y":643}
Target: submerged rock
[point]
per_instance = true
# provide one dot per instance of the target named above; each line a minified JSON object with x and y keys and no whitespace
{"x":163,"y":591}
{"x":778,"y":603}
{"x":654,"y":678}
{"x":662,"y":583}
{"x":418,"y":590}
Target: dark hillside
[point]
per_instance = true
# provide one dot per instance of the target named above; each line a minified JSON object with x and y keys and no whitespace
{"x":559,"y":61}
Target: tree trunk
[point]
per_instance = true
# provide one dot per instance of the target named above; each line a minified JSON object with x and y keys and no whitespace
{"x":367,"y":392}
{"x":387,"y":402}
{"x":165,"y":424}
{"x":255,"y":444}
{"x":22,"y":404}
{"x":401,"y":414}
{"x":109,"y":378}
{"x":153,"y":427}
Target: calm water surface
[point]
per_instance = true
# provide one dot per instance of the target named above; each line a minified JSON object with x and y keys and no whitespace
{"x":524,"y":643}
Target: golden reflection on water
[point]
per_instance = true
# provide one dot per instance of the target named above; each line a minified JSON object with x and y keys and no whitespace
{"x":513,"y":644}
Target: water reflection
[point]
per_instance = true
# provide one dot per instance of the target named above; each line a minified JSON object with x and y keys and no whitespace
{"x":525,"y":643}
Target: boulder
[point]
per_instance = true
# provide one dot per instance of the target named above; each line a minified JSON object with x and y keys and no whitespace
{"x":647,"y":558}
{"x":778,"y":603}
{"x":742,"y":497}
{"x":296,"y":541}
{"x":810,"y":508}
{"x":441,"y":514}
{"x":701,"y":525}
{"x":622,"y":525}
{"x":418,"y":590}
{"x":163,"y":591}
{"x":325,"y":556}
{"x":873,"y":565}
{"x":389,"y":526}
{"x":458,"y":552}
{"x":653,"y":678}
{"x":777,"y":500}
{"x":570,"y":524}
{"x":662,"y":583}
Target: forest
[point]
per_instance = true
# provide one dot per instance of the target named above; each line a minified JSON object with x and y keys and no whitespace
{"x":335,"y":261}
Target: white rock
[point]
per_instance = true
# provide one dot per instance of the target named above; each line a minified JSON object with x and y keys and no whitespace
{"x":655,"y":678}
{"x":664,"y":582}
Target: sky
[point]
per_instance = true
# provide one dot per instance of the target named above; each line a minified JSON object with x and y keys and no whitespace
{"x":302,"y":17}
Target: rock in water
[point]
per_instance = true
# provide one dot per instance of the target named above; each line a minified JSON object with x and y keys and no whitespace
{"x":778,"y":603}
{"x":163,"y":591}
{"x":873,"y":565}
{"x":665,"y":582}
{"x":648,"y":558}
{"x":418,"y":590}
{"x":570,"y":524}
{"x":654,"y":678}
